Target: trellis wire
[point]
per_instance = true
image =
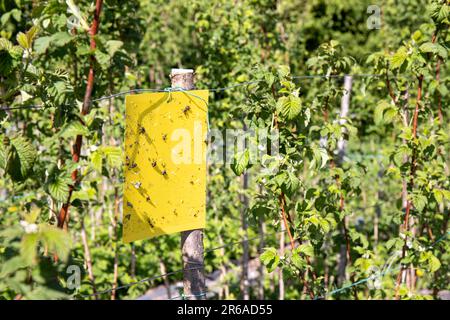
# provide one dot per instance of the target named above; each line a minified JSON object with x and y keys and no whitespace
{"x":141,"y":281}
{"x":168,"y":273}
{"x":246,"y":83}
{"x":184,"y":296}
{"x":344,"y":288}
{"x":375,"y":276}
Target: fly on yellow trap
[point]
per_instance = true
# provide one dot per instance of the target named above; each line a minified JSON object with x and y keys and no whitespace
{"x":165,"y":165}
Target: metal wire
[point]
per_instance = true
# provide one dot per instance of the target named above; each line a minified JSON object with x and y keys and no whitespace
{"x":184,"y":296}
{"x":246,"y":83}
{"x":21,"y":107}
{"x":200,"y":266}
{"x":141,"y":281}
{"x":373,"y":277}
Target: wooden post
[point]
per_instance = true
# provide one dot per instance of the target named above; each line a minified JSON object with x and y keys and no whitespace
{"x":192,"y":240}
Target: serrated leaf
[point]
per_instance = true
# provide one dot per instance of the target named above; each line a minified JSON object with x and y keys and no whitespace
{"x":428,"y":47}
{"x":113,"y":46}
{"x":61,"y":38}
{"x":41,"y":44}
{"x":28,"y":247}
{"x":389,"y":114}
{"x":419,"y":201}
{"x":74,"y":129}
{"x":97,"y":160}
{"x":12,"y":265}
{"x":240,"y":162}
{"x":290,"y":184}
{"x":306,"y":249}
{"x":31,"y":35}
{"x":58,"y":185}
{"x":399,"y":58}
{"x":56,"y":240}
{"x":84,"y":194}
{"x":289,"y":107}
{"x":113,"y":156}
{"x":102,"y":58}
{"x":270,"y":259}
{"x":433,"y":263}
{"x":438,"y":196}
{"x":298,"y":261}
{"x":283,"y":71}
{"x":19,"y":157}
{"x":320,"y":156}
{"x":379,"y":111}
{"x":446,"y":194}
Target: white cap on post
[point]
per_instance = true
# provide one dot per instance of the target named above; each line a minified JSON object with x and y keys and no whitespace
{"x":182,"y":78}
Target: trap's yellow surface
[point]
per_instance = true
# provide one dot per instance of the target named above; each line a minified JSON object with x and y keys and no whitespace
{"x":165,"y":166}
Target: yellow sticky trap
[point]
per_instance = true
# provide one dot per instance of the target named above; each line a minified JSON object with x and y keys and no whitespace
{"x":165,"y":166}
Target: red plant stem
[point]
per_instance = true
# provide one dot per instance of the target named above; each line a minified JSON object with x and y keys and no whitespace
{"x":411,"y":183}
{"x":346,"y":235}
{"x":283,"y":214}
{"x":282,"y":200}
{"x":76,"y":149}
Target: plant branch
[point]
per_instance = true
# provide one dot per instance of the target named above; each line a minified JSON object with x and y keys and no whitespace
{"x":76,"y":150}
{"x":413,"y":168}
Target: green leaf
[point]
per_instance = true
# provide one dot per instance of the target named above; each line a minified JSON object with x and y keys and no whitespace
{"x":446,"y":194}
{"x":306,"y":249}
{"x":41,"y":44}
{"x":23,"y":40}
{"x":433,"y":263}
{"x":389,"y":114}
{"x":270,"y":259}
{"x":379,"y":111}
{"x":102,"y":58}
{"x":399,"y":58}
{"x":113,"y":46}
{"x":97,"y":160}
{"x":289,"y":107}
{"x":428,"y":47}
{"x":320,"y":156}
{"x":61,"y":38}
{"x":283,"y":71}
{"x":419,"y":201}
{"x":291,"y":183}
{"x":57,"y":240}
{"x":12,"y":265}
{"x":28,"y":247}
{"x":73,"y":129}
{"x":58,"y":184}
{"x":298,"y":261}
{"x":31,"y":35}
{"x":438,"y":196}
{"x":113,"y":156}
{"x":240,"y":162}
{"x":84,"y":194}
{"x":17,"y":158}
